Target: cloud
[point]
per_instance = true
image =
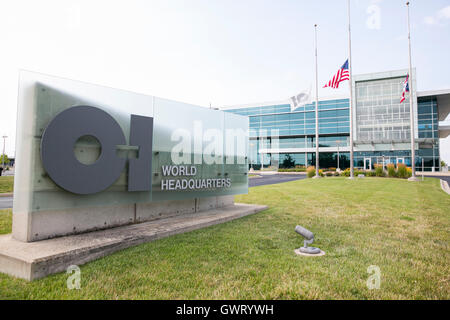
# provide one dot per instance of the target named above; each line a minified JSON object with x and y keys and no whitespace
{"x":430,"y":20}
{"x":439,"y":17}
{"x":444,"y":13}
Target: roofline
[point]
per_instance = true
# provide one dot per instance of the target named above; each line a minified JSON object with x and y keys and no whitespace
{"x":277,"y":103}
{"x":379,"y":75}
{"x":433,"y":92}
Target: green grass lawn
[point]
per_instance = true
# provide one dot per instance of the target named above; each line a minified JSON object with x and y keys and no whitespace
{"x":6,"y":184}
{"x":399,"y":226}
{"x":5,"y":222}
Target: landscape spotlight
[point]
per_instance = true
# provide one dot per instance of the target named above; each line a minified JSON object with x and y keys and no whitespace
{"x":309,"y":239}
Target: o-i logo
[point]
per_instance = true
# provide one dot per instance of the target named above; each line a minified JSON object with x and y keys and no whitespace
{"x":66,"y":171}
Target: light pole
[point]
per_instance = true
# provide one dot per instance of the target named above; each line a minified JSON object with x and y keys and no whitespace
{"x":262,"y":154}
{"x":251,"y":162}
{"x":339,"y":142}
{"x":350,"y":71}
{"x":3,"y":156}
{"x":423,"y":168}
{"x":317,"y":107}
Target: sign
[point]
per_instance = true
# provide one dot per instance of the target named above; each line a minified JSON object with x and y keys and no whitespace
{"x":149,"y":149}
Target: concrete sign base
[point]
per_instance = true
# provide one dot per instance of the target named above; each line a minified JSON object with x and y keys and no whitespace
{"x":34,"y":260}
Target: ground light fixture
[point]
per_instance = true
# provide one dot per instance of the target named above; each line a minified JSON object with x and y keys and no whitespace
{"x":309,"y":239}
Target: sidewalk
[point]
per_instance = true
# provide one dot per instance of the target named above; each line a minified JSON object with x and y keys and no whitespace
{"x":6,"y":194}
{"x":433,"y":174}
{"x":445,"y":186}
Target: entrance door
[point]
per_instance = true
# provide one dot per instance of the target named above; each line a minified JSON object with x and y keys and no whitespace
{"x":367,"y":164}
{"x":383,"y":161}
{"x":400,"y":160}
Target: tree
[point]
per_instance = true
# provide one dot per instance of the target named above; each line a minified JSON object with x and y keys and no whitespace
{"x":443,"y":164}
{"x":288,"y":162}
{"x":4,"y":156}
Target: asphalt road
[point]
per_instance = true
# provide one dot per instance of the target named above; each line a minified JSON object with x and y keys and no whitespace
{"x":445,"y":178}
{"x":7,"y":202}
{"x":274,"y":179}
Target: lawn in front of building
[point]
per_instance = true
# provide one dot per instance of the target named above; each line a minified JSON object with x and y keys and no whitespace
{"x":399,"y":226}
{"x":6,"y":184}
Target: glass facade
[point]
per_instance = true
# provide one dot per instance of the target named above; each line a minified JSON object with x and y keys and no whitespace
{"x":296,"y":132}
{"x":428,"y":117}
{"x":379,"y":113}
{"x":382,"y":124}
{"x":428,"y":128}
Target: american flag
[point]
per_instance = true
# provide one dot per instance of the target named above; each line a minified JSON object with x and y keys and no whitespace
{"x":340,"y":76}
{"x":405,"y":89}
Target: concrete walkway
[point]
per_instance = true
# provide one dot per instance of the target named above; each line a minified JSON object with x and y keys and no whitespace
{"x":445,"y":186}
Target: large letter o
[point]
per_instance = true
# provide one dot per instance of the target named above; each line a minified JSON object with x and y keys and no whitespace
{"x":59,"y":159}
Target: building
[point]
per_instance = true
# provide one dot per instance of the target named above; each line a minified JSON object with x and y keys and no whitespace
{"x":283,"y":138}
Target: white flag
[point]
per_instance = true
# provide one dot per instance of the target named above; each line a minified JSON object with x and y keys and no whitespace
{"x":301,"y":99}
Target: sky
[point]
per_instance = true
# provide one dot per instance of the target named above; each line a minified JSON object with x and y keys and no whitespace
{"x":218,"y":52}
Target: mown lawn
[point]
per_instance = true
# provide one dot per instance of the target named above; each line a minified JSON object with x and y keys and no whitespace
{"x":5,"y":222}
{"x":399,"y":226}
{"x":6,"y":184}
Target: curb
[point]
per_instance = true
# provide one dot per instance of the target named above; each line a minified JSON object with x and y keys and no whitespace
{"x":445,"y":187}
{"x":6,"y":194}
{"x":294,"y":173}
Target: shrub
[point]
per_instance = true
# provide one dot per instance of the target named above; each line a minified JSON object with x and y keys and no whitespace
{"x":337,"y":174}
{"x":408,"y":172}
{"x":379,"y":172}
{"x":321,"y":173}
{"x":329,"y":173}
{"x":401,"y":171}
{"x":370,"y":174}
{"x":292,"y":170}
{"x":311,"y":171}
{"x":332,"y":169}
{"x":346,"y":172}
{"x":391,"y":170}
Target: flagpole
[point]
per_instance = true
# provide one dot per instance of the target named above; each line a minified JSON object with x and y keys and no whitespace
{"x":411,"y":105}
{"x":350,"y":71}
{"x":317,"y":106}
